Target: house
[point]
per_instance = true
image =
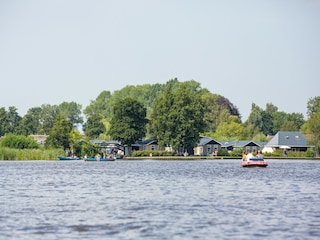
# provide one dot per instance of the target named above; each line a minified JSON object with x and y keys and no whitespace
{"x":207,"y":147}
{"x":295,"y":141}
{"x":41,"y":139}
{"x":246,"y":145}
{"x":109,"y":146}
{"x":148,"y":145}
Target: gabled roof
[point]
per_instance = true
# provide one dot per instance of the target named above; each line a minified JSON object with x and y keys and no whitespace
{"x":291,"y":139}
{"x":240,"y":143}
{"x":207,"y":140}
{"x":97,"y":141}
{"x":144,"y":142}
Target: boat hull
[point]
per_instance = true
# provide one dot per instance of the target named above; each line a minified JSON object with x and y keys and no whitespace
{"x":99,"y":160}
{"x":254,"y":162}
{"x":68,"y":158}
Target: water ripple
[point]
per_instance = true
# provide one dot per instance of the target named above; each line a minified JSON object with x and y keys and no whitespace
{"x":159,"y":200}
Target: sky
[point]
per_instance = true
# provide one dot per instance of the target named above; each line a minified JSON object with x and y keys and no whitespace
{"x":249,"y":51}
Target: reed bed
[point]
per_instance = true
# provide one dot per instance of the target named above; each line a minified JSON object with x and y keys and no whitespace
{"x":30,"y":154}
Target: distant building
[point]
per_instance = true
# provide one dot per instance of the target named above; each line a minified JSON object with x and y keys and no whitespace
{"x":207,"y":147}
{"x":41,"y":139}
{"x":246,"y":145}
{"x":295,"y":141}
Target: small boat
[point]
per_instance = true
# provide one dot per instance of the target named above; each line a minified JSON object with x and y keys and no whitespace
{"x":254,"y":162}
{"x":68,"y":158}
{"x":100,"y":159}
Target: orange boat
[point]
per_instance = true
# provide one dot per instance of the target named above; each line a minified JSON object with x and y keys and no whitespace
{"x":254,"y":162}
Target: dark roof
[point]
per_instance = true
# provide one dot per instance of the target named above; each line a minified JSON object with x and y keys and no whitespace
{"x":207,"y":140}
{"x":241,"y":143}
{"x":104,"y":142}
{"x":144,"y":142}
{"x":291,"y":139}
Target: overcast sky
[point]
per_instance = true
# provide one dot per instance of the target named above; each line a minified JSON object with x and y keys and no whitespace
{"x":247,"y":51}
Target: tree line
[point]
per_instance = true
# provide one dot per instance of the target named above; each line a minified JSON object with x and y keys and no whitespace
{"x":175,"y":114}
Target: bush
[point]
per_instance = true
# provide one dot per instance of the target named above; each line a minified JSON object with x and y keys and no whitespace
{"x":236,"y":153}
{"x":19,"y":142}
{"x":146,"y":153}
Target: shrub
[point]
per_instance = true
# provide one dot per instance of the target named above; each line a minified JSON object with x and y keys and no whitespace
{"x":19,"y":142}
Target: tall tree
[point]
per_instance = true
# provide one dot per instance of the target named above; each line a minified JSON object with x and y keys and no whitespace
{"x":178,"y":117}
{"x":9,"y":120}
{"x":72,"y":111}
{"x":4,"y":125}
{"x":94,"y":126}
{"x":59,"y":136}
{"x":101,"y":105}
{"x":255,"y":121}
{"x":232,"y":129}
{"x":217,"y":110}
{"x":30,"y":123}
{"x":13,"y":119}
{"x":313,"y":105}
{"x":312,"y":126}
{"x":48,"y":116}
{"x":128,"y":123}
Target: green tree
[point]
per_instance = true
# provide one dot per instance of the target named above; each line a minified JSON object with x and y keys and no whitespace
{"x":230,"y":130}
{"x":30,"y":123}
{"x":72,"y":112}
{"x":255,"y":120}
{"x":313,"y":105}
{"x":48,"y":116}
{"x":94,"y":126}
{"x":4,"y":126}
{"x":9,"y":120}
{"x":178,"y":117}
{"x":101,"y":105}
{"x":217,"y":110}
{"x":59,"y":136}
{"x":312,"y":126}
{"x":128,"y":123}
{"x":13,"y":119}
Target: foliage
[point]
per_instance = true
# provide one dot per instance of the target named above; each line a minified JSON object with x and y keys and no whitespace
{"x":128,"y":123}
{"x":232,"y":129}
{"x":59,"y":136}
{"x":259,"y":137}
{"x":81,"y":148}
{"x":29,"y":154}
{"x":94,"y":126}
{"x":177,"y":118}
{"x":312,"y":126}
{"x":18,"y":142}
{"x":236,"y":153}
{"x":71,"y":111}
{"x":270,"y":121}
{"x":31,"y":122}
{"x":310,"y":152}
{"x":9,"y":120}
{"x":146,"y":153}
{"x":313,"y":106}
{"x":100,"y":106}
{"x":48,"y":116}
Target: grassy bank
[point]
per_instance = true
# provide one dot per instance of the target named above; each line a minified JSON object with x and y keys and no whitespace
{"x":30,"y":154}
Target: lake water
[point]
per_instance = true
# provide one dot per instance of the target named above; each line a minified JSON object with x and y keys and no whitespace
{"x":202,"y":199}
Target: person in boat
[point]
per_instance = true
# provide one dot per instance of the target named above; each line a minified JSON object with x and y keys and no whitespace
{"x":259,"y":154}
{"x":249,"y":155}
{"x":244,"y":156}
{"x":98,"y":156}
